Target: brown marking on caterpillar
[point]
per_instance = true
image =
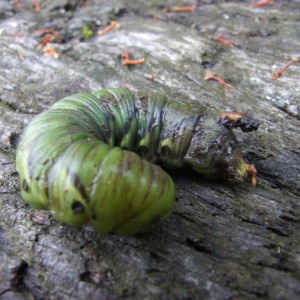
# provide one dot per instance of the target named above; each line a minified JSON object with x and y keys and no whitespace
{"x":152,"y":180}
{"x":46,"y":161}
{"x":47,"y":191}
{"x":77,"y":207}
{"x":79,"y":186}
{"x":163,"y":184}
{"x":166,"y":151}
{"x":25,"y":185}
{"x":142,"y":150}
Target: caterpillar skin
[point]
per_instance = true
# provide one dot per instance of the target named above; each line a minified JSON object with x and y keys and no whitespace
{"x":90,"y":157}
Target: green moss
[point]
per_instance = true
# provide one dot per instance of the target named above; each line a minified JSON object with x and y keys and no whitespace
{"x":87,"y":32}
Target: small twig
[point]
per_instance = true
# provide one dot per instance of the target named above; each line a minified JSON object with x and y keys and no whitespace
{"x":184,"y":8}
{"x":83,"y":3}
{"x":20,"y":35}
{"x":51,"y":51}
{"x":127,"y":62}
{"x":262,"y":3}
{"x":232,"y":119}
{"x":37,"y":5}
{"x":111,"y":26}
{"x":232,"y":115}
{"x":21,"y":56}
{"x":40,"y":32}
{"x":223,"y":41}
{"x":277,"y":74}
{"x":210,"y":76}
{"x":18,"y":4}
{"x":48,"y":38}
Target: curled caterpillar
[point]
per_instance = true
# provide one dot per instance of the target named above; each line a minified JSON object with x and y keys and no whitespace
{"x":90,"y":157}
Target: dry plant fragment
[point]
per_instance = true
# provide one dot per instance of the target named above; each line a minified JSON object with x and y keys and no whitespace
{"x":232,"y":115}
{"x":238,"y":119}
{"x":277,"y":74}
{"x":262,"y":3}
{"x":20,"y":35}
{"x":184,"y":8}
{"x":18,"y":4}
{"x":127,"y":62}
{"x":48,"y":38}
{"x":223,"y":41}
{"x":21,"y":56}
{"x":83,"y":3}
{"x":210,"y":76}
{"x":41,"y":219}
{"x":40,"y":32}
{"x":51,"y":51}
{"x":153,"y":76}
{"x":37,"y":5}
{"x":111,"y":26}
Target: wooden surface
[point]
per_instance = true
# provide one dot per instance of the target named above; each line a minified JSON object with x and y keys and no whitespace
{"x":223,"y":241}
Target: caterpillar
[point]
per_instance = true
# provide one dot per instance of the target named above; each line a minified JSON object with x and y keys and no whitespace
{"x":92,"y":157}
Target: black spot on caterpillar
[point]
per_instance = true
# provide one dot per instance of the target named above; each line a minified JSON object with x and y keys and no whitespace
{"x":78,"y":159}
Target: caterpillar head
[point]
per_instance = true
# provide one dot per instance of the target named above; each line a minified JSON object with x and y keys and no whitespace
{"x":214,"y":151}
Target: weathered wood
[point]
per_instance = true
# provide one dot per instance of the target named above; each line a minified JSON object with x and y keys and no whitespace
{"x":222,"y":241}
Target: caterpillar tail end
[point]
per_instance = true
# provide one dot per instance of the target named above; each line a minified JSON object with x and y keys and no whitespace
{"x":244,"y":169}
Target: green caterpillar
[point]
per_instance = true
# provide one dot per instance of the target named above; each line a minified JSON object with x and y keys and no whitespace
{"x":90,"y":157}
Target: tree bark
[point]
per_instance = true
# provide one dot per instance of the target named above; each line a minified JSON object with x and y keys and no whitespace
{"x":222,"y":241}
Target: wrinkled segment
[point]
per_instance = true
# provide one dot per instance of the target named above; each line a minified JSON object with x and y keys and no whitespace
{"x":87,"y":108}
{"x":137,"y":194}
{"x":179,"y":123}
{"x":214,"y":151}
{"x":70,"y":181}
{"x":114,"y":189}
{"x":150,"y":110}
{"x":69,"y":163}
{"x":47,"y":136}
{"x":122,"y":117}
